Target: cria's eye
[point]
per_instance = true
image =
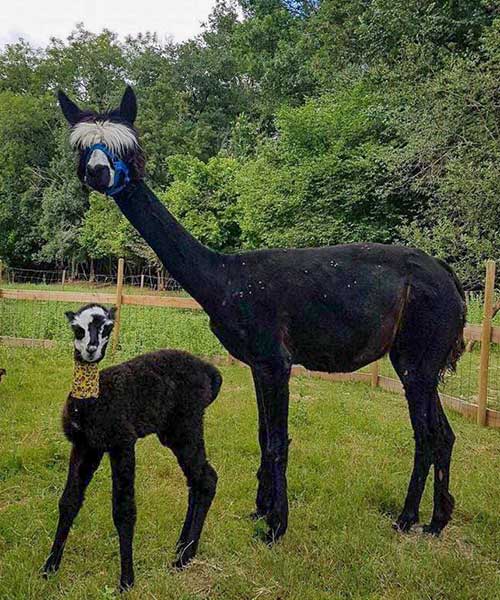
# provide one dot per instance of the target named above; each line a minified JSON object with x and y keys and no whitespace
{"x":78,"y":331}
{"x":106,"y":330}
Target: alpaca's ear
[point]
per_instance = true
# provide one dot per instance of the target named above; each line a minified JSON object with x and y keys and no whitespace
{"x":69,"y":109}
{"x":128,"y":105}
{"x":112,"y":313}
{"x":70,"y":316}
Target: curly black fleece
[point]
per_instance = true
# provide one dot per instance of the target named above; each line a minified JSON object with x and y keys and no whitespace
{"x":151,"y":393}
{"x":166,"y":393}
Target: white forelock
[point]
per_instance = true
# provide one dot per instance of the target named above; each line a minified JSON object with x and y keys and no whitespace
{"x":116,"y":136}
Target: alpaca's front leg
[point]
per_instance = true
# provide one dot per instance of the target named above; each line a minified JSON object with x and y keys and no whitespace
{"x":263,"y":500}
{"x":82,"y":466}
{"x":124,"y":511}
{"x":272,"y":378}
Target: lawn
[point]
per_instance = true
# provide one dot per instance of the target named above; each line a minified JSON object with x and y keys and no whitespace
{"x":350,"y":460}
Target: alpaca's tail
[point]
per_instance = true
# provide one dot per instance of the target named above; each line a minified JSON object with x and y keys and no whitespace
{"x":458,"y":346}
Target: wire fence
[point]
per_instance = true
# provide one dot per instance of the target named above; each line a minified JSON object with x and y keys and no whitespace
{"x":17,"y":277}
{"x":42,"y":326}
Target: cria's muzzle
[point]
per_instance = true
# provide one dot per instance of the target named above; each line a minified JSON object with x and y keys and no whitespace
{"x":85,"y":381}
{"x":122,"y":173}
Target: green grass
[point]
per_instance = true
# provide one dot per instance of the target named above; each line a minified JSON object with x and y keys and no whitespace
{"x":349,"y":466}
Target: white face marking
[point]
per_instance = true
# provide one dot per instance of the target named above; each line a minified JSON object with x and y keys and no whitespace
{"x":83,"y":320}
{"x":99,"y":158}
{"x":116,"y":136}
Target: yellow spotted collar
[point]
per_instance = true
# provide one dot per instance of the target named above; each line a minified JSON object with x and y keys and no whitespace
{"x":85,"y":380}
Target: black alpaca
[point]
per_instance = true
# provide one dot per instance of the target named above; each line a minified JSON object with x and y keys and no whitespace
{"x":330,"y":309}
{"x":164,"y":392}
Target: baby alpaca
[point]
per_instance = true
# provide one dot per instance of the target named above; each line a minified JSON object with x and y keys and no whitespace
{"x":164,"y":392}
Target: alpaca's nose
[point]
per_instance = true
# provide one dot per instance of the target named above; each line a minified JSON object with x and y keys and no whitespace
{"x":98,"y":176}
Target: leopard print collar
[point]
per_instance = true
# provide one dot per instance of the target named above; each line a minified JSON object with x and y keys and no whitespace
{"x":85,"y":380}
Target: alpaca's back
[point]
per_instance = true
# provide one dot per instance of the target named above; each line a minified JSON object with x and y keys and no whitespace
{"x":143,"y":395}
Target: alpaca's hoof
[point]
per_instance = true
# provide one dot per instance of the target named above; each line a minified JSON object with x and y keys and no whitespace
{"x":179,"y":565}
{"x":257,"y":515}
{"x":433,"y":529}
{"x":185,"y":553}
{"x":277,"y":527}
{"x":405,"y":522}
{"x":182,"y":563}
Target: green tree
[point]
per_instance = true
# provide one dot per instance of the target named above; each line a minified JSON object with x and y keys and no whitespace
{"x":203,"y":196}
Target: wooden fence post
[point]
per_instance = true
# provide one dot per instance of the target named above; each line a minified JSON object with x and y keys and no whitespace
{"x":119,"y":299}
{"x":1,"y":271}
{"x":142,"y":281}
{"x":63,"y":279}
{"x":375,"y":369}
{"x":489,"y":290}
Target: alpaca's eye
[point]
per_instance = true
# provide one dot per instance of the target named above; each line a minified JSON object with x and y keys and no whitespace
{"x":78,"y":331}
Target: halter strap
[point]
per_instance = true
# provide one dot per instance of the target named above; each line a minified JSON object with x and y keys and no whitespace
{"x":122,"y":173}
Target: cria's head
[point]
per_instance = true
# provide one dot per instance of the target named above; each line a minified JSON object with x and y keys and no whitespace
{"x":107,"y":142}
{"x":92,"y":326}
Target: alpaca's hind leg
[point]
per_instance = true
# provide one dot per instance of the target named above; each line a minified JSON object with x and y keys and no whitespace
{"x":124,"y":511}
{"x":419,"y":403}
{"x":82,"y":466}
{"x":189,"y":448}
{"x":433,"y":437}
{"x":443,"y":446}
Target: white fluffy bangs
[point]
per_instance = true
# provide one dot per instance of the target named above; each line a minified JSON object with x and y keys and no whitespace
{"x":116,"y":136}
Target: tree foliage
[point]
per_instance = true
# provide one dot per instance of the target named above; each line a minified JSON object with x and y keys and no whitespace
{"x":283,"y":123}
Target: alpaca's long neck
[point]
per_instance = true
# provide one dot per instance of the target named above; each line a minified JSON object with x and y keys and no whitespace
{"x":193,"y":265}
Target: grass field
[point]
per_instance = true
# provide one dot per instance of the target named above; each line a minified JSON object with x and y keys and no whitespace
{"x":350,"y":460}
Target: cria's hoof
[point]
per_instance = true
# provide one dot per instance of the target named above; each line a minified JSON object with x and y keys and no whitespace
{"x":123,"y":588}
{"x":49,"y":568}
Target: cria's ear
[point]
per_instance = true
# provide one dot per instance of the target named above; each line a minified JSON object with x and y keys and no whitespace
{"x":70,"y":316}
{"x":128,"y":105}
{"x":112,"y":313}
{"x":69,"y":109}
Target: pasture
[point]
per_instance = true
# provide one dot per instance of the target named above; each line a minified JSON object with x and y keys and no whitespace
{"x":350,"y":457}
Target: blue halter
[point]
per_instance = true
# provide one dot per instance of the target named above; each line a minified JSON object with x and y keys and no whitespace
{"x":122,"y":173}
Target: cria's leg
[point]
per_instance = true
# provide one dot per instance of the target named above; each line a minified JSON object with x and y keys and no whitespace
{"x":82,"y":466}
{"x":187,"y":443}
{"x":124,"y":511}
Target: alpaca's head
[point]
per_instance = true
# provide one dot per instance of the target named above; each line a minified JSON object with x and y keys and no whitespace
{"x":107,"y":142}
{"x":92,"y":326}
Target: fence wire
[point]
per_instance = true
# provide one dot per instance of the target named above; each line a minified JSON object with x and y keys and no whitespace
{"x":146,"y":328}
{"x":161,"y":282}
